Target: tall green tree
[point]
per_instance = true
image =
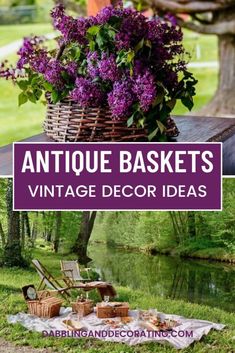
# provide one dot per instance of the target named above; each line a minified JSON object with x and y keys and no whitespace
{"x":58,"y":224}
{"x":13,"y":250}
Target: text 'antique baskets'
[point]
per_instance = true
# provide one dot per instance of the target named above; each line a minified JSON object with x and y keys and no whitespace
{"x":67,"y":121}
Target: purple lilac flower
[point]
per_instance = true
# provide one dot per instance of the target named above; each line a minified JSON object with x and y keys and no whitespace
{"x":40,"y":61}
{"x":171,"y":18}
{"x":27,"y":51}
{"x":108,"y":68}
{"x":87,"y":93}
{"x":92,"y":64}
{"x":120,"y":99}
{"x":53,"y":73}
{"x":170,"y":79}
{"x":72,"y":29}
{"x":133,"y":29}
{"x":72,"y":68}
{"x":145,"y":89}
{"x":105,"y":14}
{"x":10,"y":72}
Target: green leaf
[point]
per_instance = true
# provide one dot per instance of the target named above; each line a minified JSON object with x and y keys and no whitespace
{"x":131,"y":71}
{"x":111,"y":33}
{"x":139,"y":45}
{"x":130,"y":121}
{"x":35,"y":81}
{"x":31,"y":97}
{"x":22,"y":98}
{"x":48,"y":86}
{"x":92,"y":45}
{"x":77,"y":53}
{"x":148,"y":43}
{"x":94,"y":30}
{"x":171,"y":103}
{"x":160,"y":97}
{"x":37,"y":93}
{"x":130,"y":56}
{"x":162,"y":128}
{"x":141,"y":122}
{"x":153,"y":134}
{"x":187,"y":102}
{"x":55,"y":96}
{"x":100,"y":40}
{"x":23,"y":84}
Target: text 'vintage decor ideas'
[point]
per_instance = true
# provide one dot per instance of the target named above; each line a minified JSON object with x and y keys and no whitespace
{"x":114,"y":176}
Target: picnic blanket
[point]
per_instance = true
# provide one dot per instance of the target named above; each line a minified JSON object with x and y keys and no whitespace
{"x":187,"y":331}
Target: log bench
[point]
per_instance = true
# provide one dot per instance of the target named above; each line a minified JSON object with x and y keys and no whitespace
{"x":192,"y":129}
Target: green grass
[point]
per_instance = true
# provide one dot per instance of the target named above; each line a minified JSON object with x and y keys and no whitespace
{"x":11,"y":302}
{"x":11,"y":33}
{"x":206,"y":43}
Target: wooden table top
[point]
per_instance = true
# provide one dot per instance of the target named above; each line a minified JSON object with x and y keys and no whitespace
{"x":192,"y":129}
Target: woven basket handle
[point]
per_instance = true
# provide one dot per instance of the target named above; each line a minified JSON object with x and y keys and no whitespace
{"x":43,"y":295}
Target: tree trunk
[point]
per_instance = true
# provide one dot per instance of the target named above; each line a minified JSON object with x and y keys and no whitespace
{"x":35,"y":228}
{"x":12,"y":253}
{"x":2,"y":235}
{"x":191,"y":225}
{"x":27,"y":224}
{"x":222,"y":104}
{"x":86,"y":227}
{"x":22,"y":221}
{"x":58,"y":223}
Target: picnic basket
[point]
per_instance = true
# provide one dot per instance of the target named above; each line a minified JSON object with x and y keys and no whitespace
{"x":112,"y":310}
{"x":67,"y":121}
{"x":47,"y":307}
{"x":83,"y":308}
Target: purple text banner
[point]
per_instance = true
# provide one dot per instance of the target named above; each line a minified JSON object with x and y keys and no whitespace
{"x":117,"y":176}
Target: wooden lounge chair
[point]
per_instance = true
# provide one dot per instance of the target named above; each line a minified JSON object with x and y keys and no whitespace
{"x":71,"y":273}
{"x":73,"y":279}
{"x":48,"y":280}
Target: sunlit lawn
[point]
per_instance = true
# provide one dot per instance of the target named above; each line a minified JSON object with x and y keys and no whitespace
{"x":19,"y":123}
{"x":11,"y":33}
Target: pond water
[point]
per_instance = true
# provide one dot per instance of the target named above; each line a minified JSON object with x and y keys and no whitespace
{"x":203,"y":282}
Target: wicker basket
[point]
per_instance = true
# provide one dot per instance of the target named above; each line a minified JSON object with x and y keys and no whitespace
{"x":48,"y":307}
{"x":107,"y":311}
{"x":83,"y":308}
{"x":67,"y":121}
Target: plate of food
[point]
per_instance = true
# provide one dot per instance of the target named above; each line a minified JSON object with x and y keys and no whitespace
{"x":74,"y":325}
{"x":151,"y":321}
{"x":113,"y":323}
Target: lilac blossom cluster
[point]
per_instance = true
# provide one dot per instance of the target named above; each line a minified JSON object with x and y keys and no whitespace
{"x":123,"y":58}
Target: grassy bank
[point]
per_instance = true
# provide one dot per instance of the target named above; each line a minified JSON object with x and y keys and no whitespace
{"x":187,"y":251}
{"x":9,"y":34}
{"x":11,"y":281}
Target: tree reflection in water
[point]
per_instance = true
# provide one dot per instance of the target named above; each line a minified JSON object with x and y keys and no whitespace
{"x":203,"y":282}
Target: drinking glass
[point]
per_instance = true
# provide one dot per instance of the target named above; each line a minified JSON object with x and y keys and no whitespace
{"x":106,"y":298}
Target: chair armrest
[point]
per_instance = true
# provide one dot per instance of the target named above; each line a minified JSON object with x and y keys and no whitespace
{"x":64,"y":271}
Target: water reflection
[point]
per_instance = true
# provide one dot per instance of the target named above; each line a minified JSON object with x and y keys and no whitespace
{"x":194,"y":281}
